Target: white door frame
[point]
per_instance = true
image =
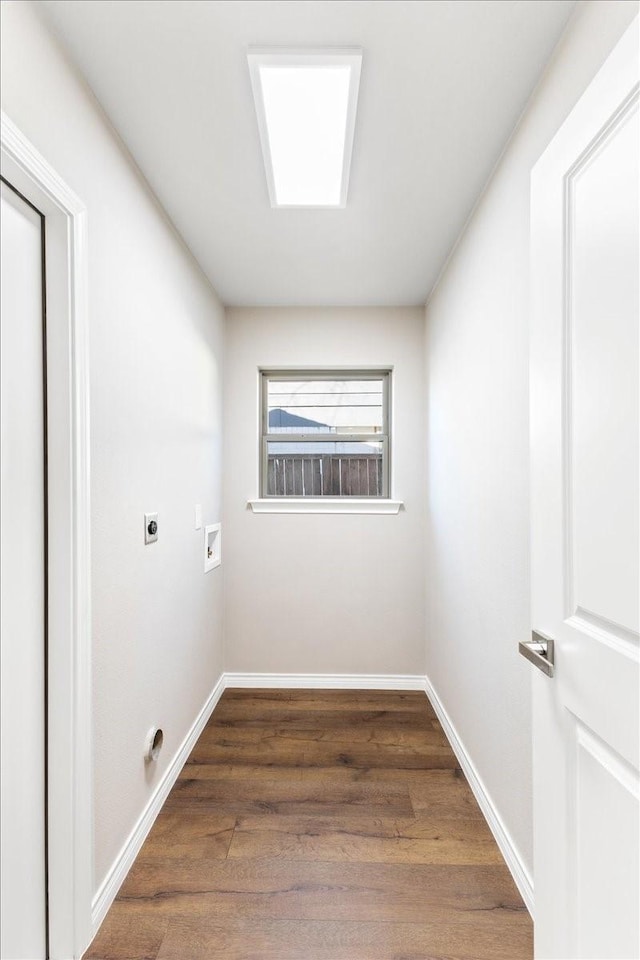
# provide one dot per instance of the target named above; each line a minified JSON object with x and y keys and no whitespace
{"x":70,"y":794}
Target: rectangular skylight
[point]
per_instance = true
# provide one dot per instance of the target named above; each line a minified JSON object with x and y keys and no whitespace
{"x":306,"y":108}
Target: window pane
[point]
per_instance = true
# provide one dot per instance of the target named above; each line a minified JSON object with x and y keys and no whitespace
{"x":340,"y":469}
{"x":325,"y":406}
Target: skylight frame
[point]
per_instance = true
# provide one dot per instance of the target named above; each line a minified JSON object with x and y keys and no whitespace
{"x":325,"y":57}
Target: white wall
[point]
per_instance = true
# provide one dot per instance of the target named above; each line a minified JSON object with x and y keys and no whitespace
{"x":324,"y":593}
{"x":477,"y":432}
{"x":156,"y":331}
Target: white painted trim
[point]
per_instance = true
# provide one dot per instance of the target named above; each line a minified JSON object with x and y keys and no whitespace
{"x":325,"y":505}
{"x":508,"y":849}
{"x":325,"y":681}
{"x":70,"y":795}
{"x":124,"y":861}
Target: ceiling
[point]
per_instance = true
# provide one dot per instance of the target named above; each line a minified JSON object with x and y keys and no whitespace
{"x":443,"y":84}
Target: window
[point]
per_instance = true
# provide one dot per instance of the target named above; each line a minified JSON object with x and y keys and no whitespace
{"x":325,"y":433}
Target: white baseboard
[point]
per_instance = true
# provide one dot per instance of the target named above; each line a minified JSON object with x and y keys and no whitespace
{"x":326,"y":681}
{"x":123,"y":862}
{"x":503,"y":838}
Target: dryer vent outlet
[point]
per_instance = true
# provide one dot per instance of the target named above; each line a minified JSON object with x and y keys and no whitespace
{"x":153,"y":744}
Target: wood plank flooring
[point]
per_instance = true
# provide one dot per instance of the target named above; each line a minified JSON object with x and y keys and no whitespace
{"x":319,"y":825}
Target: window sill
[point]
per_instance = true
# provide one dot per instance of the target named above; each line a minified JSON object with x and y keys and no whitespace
{"x":325,"y":505}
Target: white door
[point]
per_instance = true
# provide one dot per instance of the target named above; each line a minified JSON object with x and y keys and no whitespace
{"x":22,"y":588}
{"x":585,"y":490}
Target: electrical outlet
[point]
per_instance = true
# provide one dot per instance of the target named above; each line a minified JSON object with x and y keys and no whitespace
{"x":150,"y":527}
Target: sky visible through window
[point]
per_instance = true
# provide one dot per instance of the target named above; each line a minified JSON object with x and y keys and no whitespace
{"x":325,"y":406}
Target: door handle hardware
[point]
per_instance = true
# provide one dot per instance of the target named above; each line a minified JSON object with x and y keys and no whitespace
{"x":539,"y":650}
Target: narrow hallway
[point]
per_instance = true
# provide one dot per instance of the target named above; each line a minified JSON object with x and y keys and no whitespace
{"x":319,"y":825}
{"x":320,"y":592}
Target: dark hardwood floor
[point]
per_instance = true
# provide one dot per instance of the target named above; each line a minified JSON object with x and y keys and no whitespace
{"x":319,"y":825}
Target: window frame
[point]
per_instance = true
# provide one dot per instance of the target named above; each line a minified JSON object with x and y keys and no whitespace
{"x":326,"y":373}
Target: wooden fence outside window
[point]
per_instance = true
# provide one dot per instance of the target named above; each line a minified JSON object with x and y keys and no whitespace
{"x":340,"y":475}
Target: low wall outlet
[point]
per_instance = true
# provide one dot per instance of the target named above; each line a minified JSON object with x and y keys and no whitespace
{"x":212,"y":546}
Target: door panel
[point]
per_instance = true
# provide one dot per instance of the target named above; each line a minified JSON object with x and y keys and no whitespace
{"x":585,"y":549}
{"x":603,"y":489}
{"x":22,"y":524}
{"x":604,"y":782}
